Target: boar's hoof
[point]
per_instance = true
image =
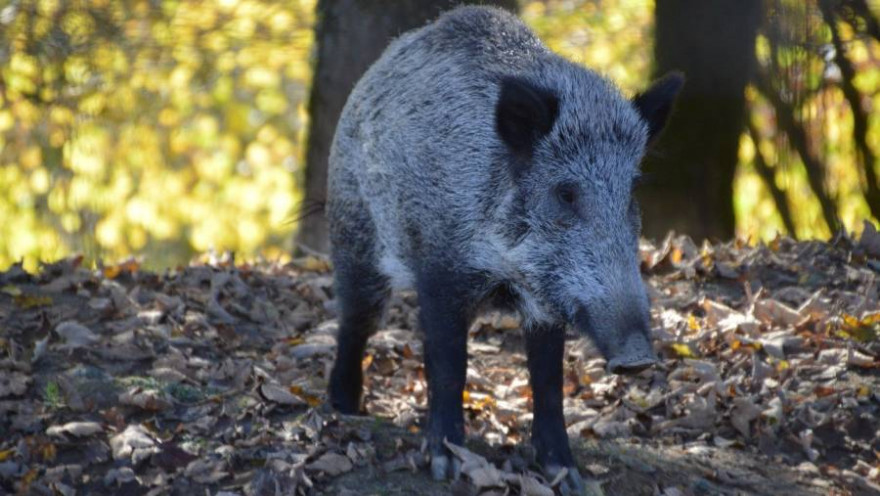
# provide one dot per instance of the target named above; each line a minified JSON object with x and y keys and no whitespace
{"x":330,"y":406}
{"x":445,"y":466}
{"x":571,"y":485}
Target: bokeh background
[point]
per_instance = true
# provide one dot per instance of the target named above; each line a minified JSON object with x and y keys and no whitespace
{"x":168,"y":128}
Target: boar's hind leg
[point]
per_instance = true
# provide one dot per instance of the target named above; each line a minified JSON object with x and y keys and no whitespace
{"x":444,"y":316}
{"x":361,"y":295}
{"x":544,"y":349}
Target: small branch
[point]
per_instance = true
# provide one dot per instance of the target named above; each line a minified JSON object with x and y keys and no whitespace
{"x":799,"y":140}
{"x":766,"y":173}
{"x":866,"y":156}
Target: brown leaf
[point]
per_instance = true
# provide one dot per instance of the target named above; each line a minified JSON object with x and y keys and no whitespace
{"x":28,"y":301}
{"x":530,"y":486}
{"x":206,"y":471}
{"x":13,"y":383}
{"x":774,"y":312}
{"x":75,"y":335}
{"x":743,"y":412}
{"x":145,"y":399}
{"x":171,"y":457}
{"x":279,"y":394}
{"x":331,"y":464}
{"x":475,"y":467}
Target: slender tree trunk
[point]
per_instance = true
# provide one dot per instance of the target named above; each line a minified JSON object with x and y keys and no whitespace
{"x":801,"y":141}
{"x":768,"y":174}
{"x":350,"y":34}
{"x":691,"y":168}
{"x":864,"y":153}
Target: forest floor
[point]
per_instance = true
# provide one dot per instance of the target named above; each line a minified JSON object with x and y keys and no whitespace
{"x":209,"y":379}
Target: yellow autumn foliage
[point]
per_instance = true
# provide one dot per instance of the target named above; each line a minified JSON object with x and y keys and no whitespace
{"x":165,"y":128}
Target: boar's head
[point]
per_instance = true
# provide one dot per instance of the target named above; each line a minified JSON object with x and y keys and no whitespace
{"x":571,"y":224}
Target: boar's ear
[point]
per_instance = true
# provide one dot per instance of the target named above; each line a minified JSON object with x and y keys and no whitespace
{"x":656,"y":102}
{"x":524,"y":114}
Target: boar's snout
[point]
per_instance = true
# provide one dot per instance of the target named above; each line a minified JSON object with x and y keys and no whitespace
{"x":635,"y":355}
{"x":619,"y":366}
{"x":624,"y":341}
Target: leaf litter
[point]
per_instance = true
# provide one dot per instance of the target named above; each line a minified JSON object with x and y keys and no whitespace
{"x":210,"y":379}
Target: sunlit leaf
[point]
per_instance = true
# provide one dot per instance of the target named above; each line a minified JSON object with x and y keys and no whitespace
{"x":313,"y":264}
{"x":367,"y":361}
{"x":862,"y":330}
{"x":31,"y":301}
{"x":311,"y":399}
{"x":11,"y":290}
{"x":6,"y":454}
{"x":681,"y":350}
{"x":822,"y":391}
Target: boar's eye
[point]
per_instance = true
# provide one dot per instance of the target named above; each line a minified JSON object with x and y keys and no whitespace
{"x":567,"y":195}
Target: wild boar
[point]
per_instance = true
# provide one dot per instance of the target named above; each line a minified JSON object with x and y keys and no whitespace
{"x":474,"y":165}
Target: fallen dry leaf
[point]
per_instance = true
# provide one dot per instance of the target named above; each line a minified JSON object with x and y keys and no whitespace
{"x":151,"y":400}
{"x":332,"y":464}
{"x":133,"y":440}
{"x":281,"y":395}
{"x":13,"y":383}
{"x":77,"y":429}
{"x":869,"y":242}
{"x":211,"y":378}
{"x":206,"y":471}
{"x":481,"y":473}
{"x":530,"y":486}
{"x":773,"y":312}
{"x":75,"y":335}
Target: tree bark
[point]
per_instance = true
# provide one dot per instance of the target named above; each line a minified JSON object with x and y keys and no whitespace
{"x":768,"y":174}
{"x":691,"y":168}
{"x":800,"y":140}
{"x":350,"y":36}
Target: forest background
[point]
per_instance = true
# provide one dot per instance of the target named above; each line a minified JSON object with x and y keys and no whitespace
{"x":168,"y":128}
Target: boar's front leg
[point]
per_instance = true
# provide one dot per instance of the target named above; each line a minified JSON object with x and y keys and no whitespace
{"x":444,"y":301}
{"x":545,"y":346}
{"x":361,"y":294}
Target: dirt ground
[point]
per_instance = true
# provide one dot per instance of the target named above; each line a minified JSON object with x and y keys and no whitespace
{"x":210,"y":378}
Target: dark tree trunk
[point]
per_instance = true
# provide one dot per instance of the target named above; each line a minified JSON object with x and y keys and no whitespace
{"x":691,"y":168}
{"x":350,"y":36}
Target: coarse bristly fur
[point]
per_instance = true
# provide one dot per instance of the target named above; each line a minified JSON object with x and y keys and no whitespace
{"x":472,"y":164}
{"x":424,"y":173}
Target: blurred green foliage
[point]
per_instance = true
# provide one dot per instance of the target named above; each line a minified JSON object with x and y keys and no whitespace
{"x":170,"y":127}
{"x":613,"y":37}
{"x":796,"y":50}
{"x":158,"y":127}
